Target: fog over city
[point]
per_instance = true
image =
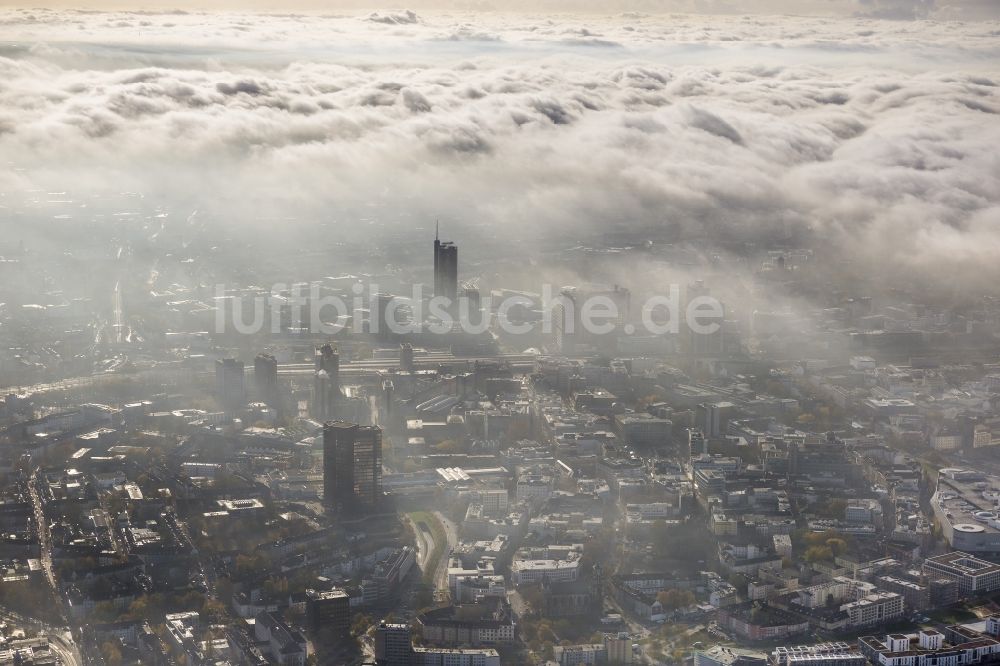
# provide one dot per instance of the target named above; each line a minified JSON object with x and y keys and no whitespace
{"x":472,"y":333}
{"x":874,"y":137}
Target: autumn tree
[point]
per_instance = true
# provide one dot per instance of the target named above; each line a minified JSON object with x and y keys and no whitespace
{"x":673,"y":599}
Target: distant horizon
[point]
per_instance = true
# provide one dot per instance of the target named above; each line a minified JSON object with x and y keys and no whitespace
{"x":880,"y":9}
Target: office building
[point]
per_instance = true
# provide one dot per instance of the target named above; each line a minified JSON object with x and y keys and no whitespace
{"x":489,"y":621}
{"x":393,"y":570}
{"x":524,"y":572}
{"x":445,"y":269}
{"x":619,"y":648}
{"x":265,"y":377}
{"x":973,"y":575}
{"x":703,"y":343}
{"x":965,"y":511}
{"x":610,"y":306}
{"x":278,"y":641}
{"x":230,"y":384}
{"x":574,"y":655}
{"x":470,"y":292}
{"x":433,"y":656}
{"x":393,"y":644}
{"x":824,"y":654}
{"x":928,"y":648}
{"x":352,"y":464}
{"x":697,"y":443}
{"x":328,"y":612}
{"x":876,"y":608}
{"x":388,"y":316}
{"x":326,"y":383}
{"x":406,"y":357}
{"x":643,"y":429}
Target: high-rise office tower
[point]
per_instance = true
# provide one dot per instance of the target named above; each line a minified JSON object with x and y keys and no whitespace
{"x":388,"y":314}
{"x":697,"y":443}
{"x":445,"y":268}
{"x":703,"y":343}
{"x":265,"y":377}
{"x":406,"y":357}
{"x":393,"y":644}
{"x":473,"y":306}
{"x":329,"y":611}
{"x":230,"y":384}
{"x":711,"y":414}
{"x":571,"y":336}
{"x":326,"y":382}
{"x":388,"y":413}
{"x":352,"y":465}
{"x":471,"y":292}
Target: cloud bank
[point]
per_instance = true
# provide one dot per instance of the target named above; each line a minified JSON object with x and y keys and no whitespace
{"x":875,"y":139}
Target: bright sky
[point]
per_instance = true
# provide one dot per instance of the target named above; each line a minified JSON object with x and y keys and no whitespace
{"x":901,"y":9}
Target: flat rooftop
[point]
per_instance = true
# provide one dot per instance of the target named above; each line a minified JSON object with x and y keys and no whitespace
{"x":969,"y":503}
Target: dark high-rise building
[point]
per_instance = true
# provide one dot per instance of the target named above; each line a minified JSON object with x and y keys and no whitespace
{"x":328,"y":612}
{"x":352,"y":464}
{"x":265,"y":377}
{"x":393,"y":644}
{"x":326,"y":383}
{"x":388,"y":408}
{"x":388,"y":314}
{"x":697,"y":443}
{"x":445,"y":269}
{"x":472,"y":304}
{"x":471,"y":292}
{"x":406,"y":357}
{"x":230,"y":384}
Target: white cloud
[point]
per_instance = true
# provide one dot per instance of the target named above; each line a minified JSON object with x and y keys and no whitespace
{"x":394,"y":18}
{"x":879,"y":136}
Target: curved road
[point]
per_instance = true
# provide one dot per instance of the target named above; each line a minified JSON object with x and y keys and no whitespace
{"x":60,"y":639}
{"x":441,"y":575}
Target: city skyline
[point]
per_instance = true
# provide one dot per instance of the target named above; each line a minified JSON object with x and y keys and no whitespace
{"x":714,"y":380}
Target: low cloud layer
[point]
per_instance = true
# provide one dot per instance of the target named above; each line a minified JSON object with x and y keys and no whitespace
{"x":888,"y":9}
{"x":876,"y":137}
